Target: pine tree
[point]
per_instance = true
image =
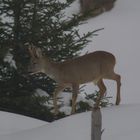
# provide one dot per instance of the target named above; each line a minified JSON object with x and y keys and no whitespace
{"x":42,"y":23}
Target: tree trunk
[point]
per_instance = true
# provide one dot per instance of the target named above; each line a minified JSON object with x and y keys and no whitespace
{"x":96,"y":124}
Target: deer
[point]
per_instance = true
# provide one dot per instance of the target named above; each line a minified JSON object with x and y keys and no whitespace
{"x":92,"y":67}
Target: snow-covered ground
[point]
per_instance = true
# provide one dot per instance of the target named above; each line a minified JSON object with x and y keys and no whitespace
{"x":12,"y":123}
{"x":119,"y":123}
{"x":121,"y":37}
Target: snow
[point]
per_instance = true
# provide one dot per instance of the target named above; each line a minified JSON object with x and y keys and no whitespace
{"x":9,"y":58}
{"x":121,"y":37}
{"x":40,"y":92}
{"x":119,"y":123}
{"x":11,"y":123}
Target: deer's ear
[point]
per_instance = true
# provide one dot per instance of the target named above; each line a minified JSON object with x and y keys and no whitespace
{"x":34,"y":51}
{"x":38,"y":53}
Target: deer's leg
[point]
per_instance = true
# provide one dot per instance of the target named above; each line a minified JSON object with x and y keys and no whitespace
{"x":117,"y":78}
{"x":56,"y":92}
{"x":118,"y":98}
{"x":102,"y":90}
{"x":74,"y":97}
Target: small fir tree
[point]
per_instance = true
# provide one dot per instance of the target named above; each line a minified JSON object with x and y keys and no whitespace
{"x":42,"y":23}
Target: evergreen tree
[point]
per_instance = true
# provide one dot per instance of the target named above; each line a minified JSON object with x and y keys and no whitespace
{"x":42,"y":23}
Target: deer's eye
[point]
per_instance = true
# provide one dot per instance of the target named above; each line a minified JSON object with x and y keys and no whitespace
{"x":34,"y":63}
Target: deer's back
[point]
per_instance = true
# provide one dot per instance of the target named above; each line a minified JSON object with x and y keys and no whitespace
{"x":87,"y":68}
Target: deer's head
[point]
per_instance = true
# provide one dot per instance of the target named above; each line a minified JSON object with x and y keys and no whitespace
{"x":36,"y":63}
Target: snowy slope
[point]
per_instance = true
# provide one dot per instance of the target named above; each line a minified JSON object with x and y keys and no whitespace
{"x":11,"y":123}
{"x":120,"y":123}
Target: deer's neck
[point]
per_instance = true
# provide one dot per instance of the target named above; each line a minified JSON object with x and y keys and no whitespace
{"x":51,"y":69}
